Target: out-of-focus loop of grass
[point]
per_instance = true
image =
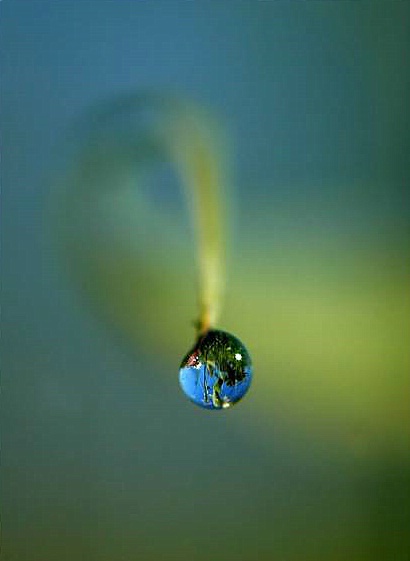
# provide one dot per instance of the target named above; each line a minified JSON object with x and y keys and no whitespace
{"x":328,"y":335}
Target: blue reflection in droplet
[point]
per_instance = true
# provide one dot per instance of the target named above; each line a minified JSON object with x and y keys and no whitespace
{"x":217,"y":371}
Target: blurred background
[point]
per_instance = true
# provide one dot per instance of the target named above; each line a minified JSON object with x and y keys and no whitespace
{"x":103,"y":456}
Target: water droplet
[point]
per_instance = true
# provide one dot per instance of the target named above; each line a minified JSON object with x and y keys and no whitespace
{"x":217,"y":371}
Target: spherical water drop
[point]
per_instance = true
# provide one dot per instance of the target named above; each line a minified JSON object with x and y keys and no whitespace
{"x":217,"y":371}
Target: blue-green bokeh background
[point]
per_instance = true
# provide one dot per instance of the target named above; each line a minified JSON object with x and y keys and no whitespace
{"x":102,"y":456}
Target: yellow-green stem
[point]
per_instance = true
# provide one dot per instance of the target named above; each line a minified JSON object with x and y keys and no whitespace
{"x":198,"y":154}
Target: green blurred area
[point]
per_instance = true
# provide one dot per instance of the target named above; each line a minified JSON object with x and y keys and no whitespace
{"x":328,"y":326}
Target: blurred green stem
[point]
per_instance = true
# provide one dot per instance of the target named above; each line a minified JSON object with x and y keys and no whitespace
{"x":197,"y":151}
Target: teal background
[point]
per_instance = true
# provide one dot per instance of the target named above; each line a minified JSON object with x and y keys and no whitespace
{"x":102,"y":456}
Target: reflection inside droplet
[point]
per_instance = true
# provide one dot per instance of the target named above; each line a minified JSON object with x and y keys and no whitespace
{"x":217,"y":371}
